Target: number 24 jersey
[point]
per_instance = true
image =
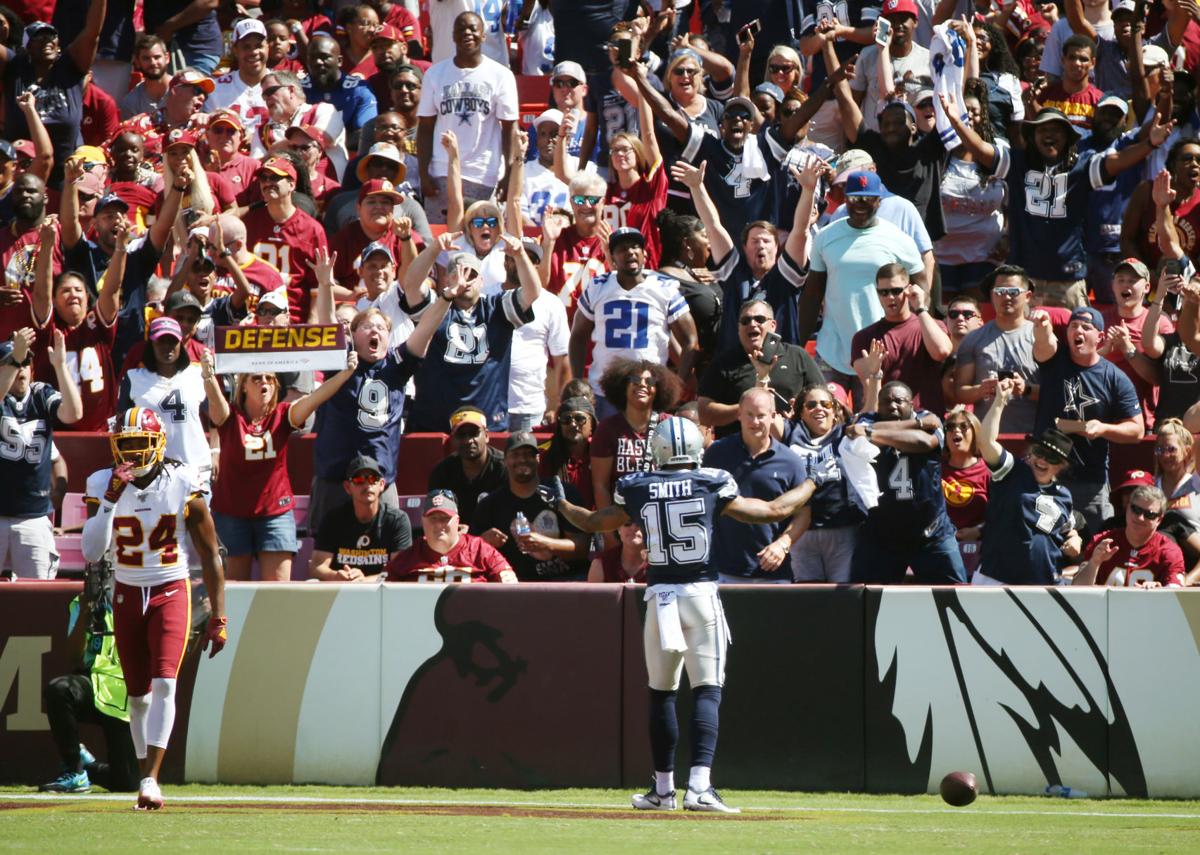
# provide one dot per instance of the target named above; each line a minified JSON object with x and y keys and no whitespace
{"x":676,"y":510}
{"x":149,"y":539}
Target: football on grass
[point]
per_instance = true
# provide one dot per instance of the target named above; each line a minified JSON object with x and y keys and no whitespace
{"x":959,"y":789}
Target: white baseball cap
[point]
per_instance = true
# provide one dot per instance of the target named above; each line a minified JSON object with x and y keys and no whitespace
{"x":550,"y":115}
{"x":248,"y":27}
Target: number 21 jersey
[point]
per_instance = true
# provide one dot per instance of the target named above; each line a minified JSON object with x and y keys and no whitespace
{"x":676,"y":510}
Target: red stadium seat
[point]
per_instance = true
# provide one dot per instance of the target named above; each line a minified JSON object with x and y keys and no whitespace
{"x":533,"y":96}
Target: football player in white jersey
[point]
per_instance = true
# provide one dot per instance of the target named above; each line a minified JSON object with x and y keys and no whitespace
{"x":140,"y":507}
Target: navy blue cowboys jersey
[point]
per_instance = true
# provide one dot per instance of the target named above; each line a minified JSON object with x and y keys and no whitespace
{"x":467,"y":363}
{"x":677,"y":510}
{"x":912,"y":507}
{"x":26,"y":430}
{"x":1026,"y":525}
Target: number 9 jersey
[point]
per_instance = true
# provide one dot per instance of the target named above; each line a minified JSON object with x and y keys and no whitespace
{"x":149,"y":538}
{"x":676,"y":510}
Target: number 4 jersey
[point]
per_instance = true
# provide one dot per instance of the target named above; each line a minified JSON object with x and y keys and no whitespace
{"x":149,"y":537}
{"x":677,"y":511}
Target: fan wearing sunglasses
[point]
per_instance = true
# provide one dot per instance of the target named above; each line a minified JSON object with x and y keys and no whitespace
{"x":356,"y":541}
{"x":1137,"y":554}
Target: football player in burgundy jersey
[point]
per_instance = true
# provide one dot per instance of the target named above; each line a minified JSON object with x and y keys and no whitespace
{"x":676,"y":505}
{"x":140,"y":507}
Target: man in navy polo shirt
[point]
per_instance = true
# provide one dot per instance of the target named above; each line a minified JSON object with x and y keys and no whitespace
{"x":764,"y":468}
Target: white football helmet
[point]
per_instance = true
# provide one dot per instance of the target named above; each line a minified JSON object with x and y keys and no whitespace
{"x":676,"y":442}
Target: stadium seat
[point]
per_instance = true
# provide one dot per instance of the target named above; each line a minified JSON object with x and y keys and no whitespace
{"x":411,"y":505}
{"x":70,"y":553}
{"x":533,"y":96}
{"x":74,"y":511}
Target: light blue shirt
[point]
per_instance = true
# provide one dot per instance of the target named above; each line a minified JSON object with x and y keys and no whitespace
{"x":849,"y":258}
{"x":901,"y":213}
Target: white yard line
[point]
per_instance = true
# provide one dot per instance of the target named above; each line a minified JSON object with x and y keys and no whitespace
{"x":302,"y":800}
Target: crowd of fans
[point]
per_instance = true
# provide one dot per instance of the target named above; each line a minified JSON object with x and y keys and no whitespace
{"x":878,"y":234}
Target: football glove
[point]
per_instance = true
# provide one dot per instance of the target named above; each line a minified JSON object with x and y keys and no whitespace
{"x":824,"y":472}
{"x":215,"y":635}
{"x":552,"y":493}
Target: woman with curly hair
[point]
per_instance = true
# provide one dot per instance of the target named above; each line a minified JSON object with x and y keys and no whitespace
{"x":999,"y":71}
{"x":644,"y":393}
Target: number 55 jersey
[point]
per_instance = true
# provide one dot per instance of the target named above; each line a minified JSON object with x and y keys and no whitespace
{"x":677,"y":511}
{"x":149,"y":537}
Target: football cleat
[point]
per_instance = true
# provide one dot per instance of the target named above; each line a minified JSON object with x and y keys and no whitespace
{"x":149,"y":795}
{"x":653,"y":800}
{"x":68,"y":782}
{"x":709,"y":800}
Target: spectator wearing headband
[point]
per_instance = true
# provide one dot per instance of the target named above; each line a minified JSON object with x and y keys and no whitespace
{"x":473,"y":468}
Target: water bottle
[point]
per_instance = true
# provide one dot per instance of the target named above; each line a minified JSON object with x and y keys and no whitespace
{"x":1059,"y":791}
{"x":521,"y":525}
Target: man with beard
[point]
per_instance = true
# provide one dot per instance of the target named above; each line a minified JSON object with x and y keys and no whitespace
{"x":389,"y":53}
{"x":476,"y":98}
{"x":284,"y":236}
{"x":909,"y":527}
{"x":287,"y":108}
{"x":843,"y":262}
{"x":1088,"y":398}
{"x":469,"y":357}
{"x":241,"y":90}
{"x":350,"y":96}
{"x":186,"y":96}
{"x":473,"y":469}
{"x":152,"y":59}
{"x":515,"y":519}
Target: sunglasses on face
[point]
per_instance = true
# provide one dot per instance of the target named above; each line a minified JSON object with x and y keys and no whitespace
{"x":737,"y":117}
{"x":679,"y":71}
{"x":360,"y":480}
{"x":563,"y":83}
{"x":956,"y":314}
{"x":268,"y":311}
{"x":1007,"y":291}
{"x":648,"y":382}
{"x":480,"y":222}
{"x":577,"y":419}
{"x":587,"y":200}
{"x":889,"y":292}
{"x":781,"y":69}
{"x":406,"y":84}
{"x":271,"y":90}
{"x":818,"y":405}
{"x":753,"y":319}
{"x":1144,"y":513}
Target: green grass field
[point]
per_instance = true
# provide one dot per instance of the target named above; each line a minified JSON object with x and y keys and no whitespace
{"x":325,"y":819}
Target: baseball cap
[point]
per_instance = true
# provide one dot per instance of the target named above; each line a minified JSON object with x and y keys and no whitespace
{"x":1134,"y":478}
{"x":852,"y":160}
{"x":1114,"y":101}
{"x":440,"y":502}
{"x":1123,"y":6}
{"x":897,"y":102}
{"x":863,"y":184}
{"x":387,"y":32}
{"x":467,"y":416}
{"x":248,"y":27}
{"x":1050,"y":114}
{"x":90,"y":154}
{"x":192,"y":77}
{"x":1089,"y":314}
{"x":899,"y":7}
{"x":7,"y":151}
{"x":740,"y":101}
{"x":386,"y":151}
{"x":38,"y":29}
{"x":372,"y":248}
{"x":363,"y":463}
{"x":570,"y":69}
{"x":623,"y":234}
{"x":277,"y":298}
{"x":110,"y":199}
{"x":771,"y":89}
{"x":1054,"y":445}
{"x":90,"y":183}
{"x":1136,"y":265}
{"x":227,"y":117}
{"x":577,"y":405}
{"x":179,"y":136}
{"x":379,"y":187}
{"x":311,"y":131}
{"x":550,"y":115}
{"x":533,"y":248}
{"x":165,"y":326}
{"x":182,"y":299}
{"x":24,"y":148}
{"x":921,"y":97}
{"x":280,"y":166}
{"x":520,"y":439}
{"x":469,"y":260}
{"x":839,"y":393}
{"x":1154,"y":56}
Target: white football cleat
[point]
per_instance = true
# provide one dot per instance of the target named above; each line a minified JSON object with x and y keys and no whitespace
{"x":149,"y":795}
{"x":653,"y":800}
{"x":709,"y":800}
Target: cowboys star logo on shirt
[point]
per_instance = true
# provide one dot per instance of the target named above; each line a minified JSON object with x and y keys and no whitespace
{"x":1077,"y":399}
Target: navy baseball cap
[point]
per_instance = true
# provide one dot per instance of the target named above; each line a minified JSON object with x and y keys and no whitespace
{"x":623,"y":234}
{"x":111,"y":199}
{"x":7,"y":151}
{"x":863,"y":184}
{"x":771,"y":89}
{"x":363,"y":463}
{"x":1089,"y":315}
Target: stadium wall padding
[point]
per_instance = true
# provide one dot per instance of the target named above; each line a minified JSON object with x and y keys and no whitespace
{"x":539,"y":686}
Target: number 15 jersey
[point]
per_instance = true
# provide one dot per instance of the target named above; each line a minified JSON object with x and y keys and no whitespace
{"x":149,"y":538}
{"x":677,"y":511}
{"x":632,"y":323}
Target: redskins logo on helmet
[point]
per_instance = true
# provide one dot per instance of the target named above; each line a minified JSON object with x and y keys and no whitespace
{"x":137,"y":437}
